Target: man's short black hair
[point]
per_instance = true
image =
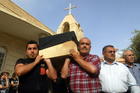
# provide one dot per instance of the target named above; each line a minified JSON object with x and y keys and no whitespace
{"x":32,"y":42}
{"x":104,"y":48}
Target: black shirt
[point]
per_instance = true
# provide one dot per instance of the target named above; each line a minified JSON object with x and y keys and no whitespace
{"x":33,"y":82}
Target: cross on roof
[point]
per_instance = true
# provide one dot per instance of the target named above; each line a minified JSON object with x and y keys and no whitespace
{"x":70,"y":8}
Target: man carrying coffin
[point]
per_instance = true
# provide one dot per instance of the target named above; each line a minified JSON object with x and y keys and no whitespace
{"x":34,"y":71}
{"x":83,"y":69}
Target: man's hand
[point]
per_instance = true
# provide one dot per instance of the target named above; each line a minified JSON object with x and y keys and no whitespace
{"x":38,"y":59}
{"x":47,"y":60}
{"x":74,"y":54}
{"x":67,"y":60}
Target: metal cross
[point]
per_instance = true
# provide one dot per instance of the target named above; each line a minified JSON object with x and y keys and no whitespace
{"x":70,"y":8}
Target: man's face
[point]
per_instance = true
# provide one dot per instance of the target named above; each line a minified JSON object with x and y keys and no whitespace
{"x":84,"y":46}
{"x":129,"y":57}
{"x":109,"y":54}
{"x":4,"y":76}
{"x":32,"y":51}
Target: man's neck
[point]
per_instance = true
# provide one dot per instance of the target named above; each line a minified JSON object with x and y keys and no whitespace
{"x":83,"y":55}
{"x":109,"y":61}
{"x":129,"y":64}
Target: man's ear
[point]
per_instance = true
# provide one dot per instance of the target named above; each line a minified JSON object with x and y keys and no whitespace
{"x":103,"y":52}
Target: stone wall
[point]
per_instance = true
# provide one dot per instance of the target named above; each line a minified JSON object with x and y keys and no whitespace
{"x":15,"y":48}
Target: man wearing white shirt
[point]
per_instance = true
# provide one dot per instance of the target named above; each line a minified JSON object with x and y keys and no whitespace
{"x":114,"y":76}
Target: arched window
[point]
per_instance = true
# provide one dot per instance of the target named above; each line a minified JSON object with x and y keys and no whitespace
{"x":2,"y":55}
{"x":66,"y":27}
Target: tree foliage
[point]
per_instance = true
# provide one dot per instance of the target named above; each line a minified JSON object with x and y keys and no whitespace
{"x":135,"y":46}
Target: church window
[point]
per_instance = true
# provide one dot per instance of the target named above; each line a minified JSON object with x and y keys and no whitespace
{"x":2,"y":55}
{"x":66,"y":27}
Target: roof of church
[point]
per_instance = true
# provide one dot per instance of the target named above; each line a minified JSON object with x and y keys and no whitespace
{"x":71,"y":18}
{"x":12,"y":9}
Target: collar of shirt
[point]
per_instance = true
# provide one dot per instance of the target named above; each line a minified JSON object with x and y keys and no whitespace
{"x":106,"y":63}
{"x":131,"y":66}
{"x":85,"y":57}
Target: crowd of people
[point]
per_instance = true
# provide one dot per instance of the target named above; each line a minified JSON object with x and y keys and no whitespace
{"x":82,"y":72}
{"x":8,"y":84}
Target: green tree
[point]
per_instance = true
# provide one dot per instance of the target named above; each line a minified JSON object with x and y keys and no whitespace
{"x":135,"y":46}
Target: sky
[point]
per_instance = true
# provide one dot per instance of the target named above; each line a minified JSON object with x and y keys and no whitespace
{"x":104,"y":22}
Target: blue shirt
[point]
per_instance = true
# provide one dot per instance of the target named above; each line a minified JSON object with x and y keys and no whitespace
{"x":135,"y":70}
{"x":3,"y":83}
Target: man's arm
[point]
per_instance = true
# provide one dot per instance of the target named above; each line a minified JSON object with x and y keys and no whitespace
{"x":21,"y":69}
{"x":65,"y":69}
{"x":51,"y":72}
{"x":132,"y":83}
{"x":0,"y":86}
{"x":3,"y":87}
{"x":85,"y":65}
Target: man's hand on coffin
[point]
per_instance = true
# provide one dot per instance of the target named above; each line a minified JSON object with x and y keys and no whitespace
{"x":38,"y":59}
{"x":75,"y":54}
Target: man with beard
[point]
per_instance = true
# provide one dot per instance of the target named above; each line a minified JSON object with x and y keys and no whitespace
{"x":34,"y":71}
{"x":114,"y":76}
{"x":83,"y":69}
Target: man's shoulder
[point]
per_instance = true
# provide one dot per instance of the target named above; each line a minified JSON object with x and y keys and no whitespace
{"x":115,"y":63}
{"x":22,"y":61}
{"x":93,"y":56}
{"x":120,"y":64}
{"x":123,"y":66}
{"x":137,"y":65}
